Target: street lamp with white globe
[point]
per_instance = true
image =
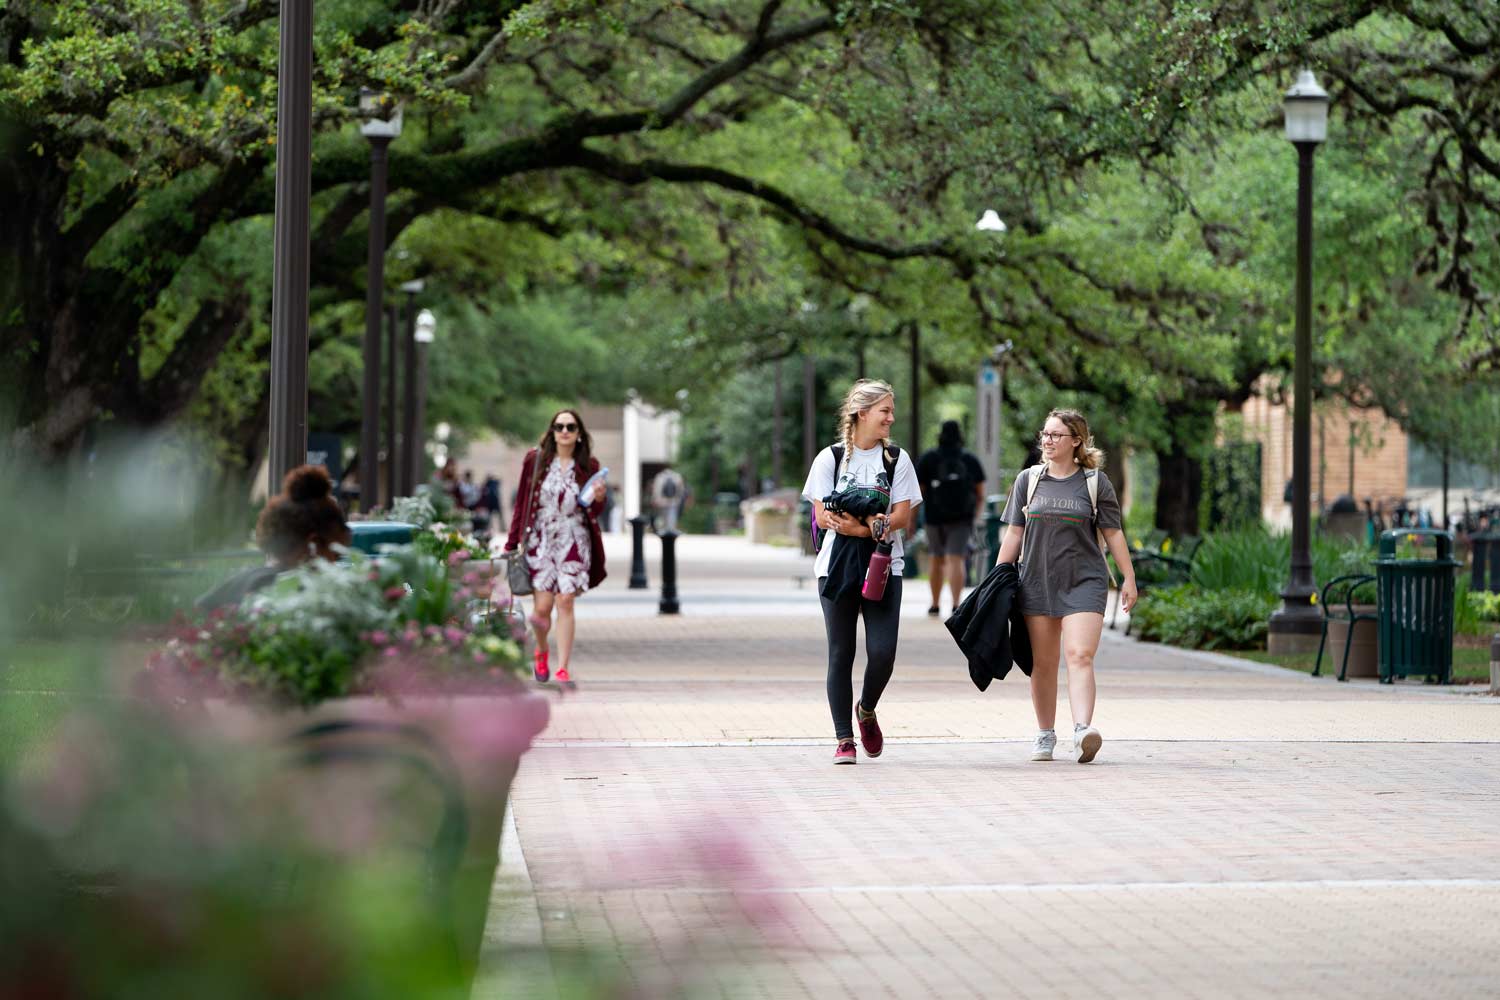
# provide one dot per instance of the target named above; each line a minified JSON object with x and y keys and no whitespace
{"x":1295,"y":627}
{"x":423,"y":335}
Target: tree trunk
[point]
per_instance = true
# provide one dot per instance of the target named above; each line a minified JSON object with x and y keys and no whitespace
{"x":1179,"y":488}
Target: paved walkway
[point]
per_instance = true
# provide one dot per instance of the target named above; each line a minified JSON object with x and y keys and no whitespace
{"x":1246,"y":831}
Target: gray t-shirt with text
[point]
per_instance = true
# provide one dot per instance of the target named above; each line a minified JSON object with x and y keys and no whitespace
{"x":1062,"y":569}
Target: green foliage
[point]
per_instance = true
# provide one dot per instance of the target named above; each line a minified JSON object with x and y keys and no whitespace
{"x":1475,"y":612}
{"x":322,"y":629}
{"x":1254,"y":560}
{"x":1195,"y":618}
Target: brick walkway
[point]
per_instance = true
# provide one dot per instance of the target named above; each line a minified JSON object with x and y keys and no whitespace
{"x":1246,"y":831}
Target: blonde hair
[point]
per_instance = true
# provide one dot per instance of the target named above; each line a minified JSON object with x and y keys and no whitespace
{"x":1084,"y":453}
{"x":861,"y":397}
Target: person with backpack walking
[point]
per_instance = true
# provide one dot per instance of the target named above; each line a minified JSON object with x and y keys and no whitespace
{"x":863,"y":491}
{"x":1062,"y":514}
{"x":952,"y":482}
{"x":668,"y":494}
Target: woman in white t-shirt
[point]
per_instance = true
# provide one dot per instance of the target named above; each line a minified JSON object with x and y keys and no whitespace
{"x":866,"y":466}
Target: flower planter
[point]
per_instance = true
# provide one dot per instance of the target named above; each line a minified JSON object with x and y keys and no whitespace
{"x":1364,"y":654}
{"x":350,"y":787}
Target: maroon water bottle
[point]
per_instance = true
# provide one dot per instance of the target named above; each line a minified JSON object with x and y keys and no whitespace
{"x":878,"y":573}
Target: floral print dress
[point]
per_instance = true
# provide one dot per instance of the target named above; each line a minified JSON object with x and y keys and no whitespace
{"x":558,"y":552}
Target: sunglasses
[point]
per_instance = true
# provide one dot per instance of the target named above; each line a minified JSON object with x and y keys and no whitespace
{"x":562,"y":428}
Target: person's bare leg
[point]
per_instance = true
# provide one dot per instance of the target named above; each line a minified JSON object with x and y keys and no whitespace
{"x":1045,"y":634}
{"x":935,"y":579}
{"x":541,"y":616}
{"x":1080,"y":641}
{"x":955,"y":577}
{"x":565,"y":627}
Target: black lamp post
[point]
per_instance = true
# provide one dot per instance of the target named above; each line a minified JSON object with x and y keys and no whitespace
{"x":291,"y":263}
{"x":409,"y":385}
{"x":1297,"y":624}
{"x":422,"y":336}
{"x":392,"y":464}
{"x":381,"y":125}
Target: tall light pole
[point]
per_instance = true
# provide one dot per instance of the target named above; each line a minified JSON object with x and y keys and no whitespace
{"x":990,"y":391}
{"x":421,"y":336}
{"x":381,"y":125}
{"x":409,"y":396}
{"x":1297,"y":624}
{"x":392,"y":464}
{"x":290,"y":263}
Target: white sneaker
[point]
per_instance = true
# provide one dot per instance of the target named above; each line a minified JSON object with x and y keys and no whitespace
{"x":1044,"y":744}
{"x":1086,"y":743}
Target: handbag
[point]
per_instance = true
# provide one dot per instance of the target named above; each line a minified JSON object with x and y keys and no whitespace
{"x":517,"y":573}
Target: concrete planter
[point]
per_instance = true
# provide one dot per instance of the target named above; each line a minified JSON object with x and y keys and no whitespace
{"x":766,"y":526}
{"x":428,"y":774}
{"x":1364,"y":653}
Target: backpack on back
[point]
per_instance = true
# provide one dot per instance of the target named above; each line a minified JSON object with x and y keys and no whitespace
{"x":950,"y":495}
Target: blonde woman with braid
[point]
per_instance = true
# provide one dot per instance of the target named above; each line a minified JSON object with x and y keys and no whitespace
{"x":1062,"y":514}
{"x":872,"y":485}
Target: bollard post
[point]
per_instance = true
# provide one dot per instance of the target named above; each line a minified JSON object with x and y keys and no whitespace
{"x":1495,"y":664}
{"x":669,"y":605}
{"x":638,"y":552}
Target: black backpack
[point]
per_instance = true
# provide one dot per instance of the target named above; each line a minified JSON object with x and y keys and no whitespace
{"x":950,"y":493}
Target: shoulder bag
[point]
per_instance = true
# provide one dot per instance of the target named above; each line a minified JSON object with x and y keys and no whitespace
{"x":517,"y":573}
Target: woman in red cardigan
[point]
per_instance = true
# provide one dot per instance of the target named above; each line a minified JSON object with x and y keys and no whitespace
{"x":556,"y":519}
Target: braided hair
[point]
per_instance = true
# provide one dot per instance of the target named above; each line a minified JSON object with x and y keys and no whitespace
{"x":862,"y":396}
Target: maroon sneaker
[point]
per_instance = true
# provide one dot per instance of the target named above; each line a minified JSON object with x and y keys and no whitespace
{"x":845,"y":753}
{"x":869,"y":732}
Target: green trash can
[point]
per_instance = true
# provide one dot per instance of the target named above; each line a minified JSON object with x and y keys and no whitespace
{"x":1415,"y":605}
{"x":370,"y":535}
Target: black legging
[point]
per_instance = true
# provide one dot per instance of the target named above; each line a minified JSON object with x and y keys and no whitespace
{"x":881,"y":623}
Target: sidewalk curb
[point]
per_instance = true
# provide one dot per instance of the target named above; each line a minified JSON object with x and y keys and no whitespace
{"x":513,"y":926}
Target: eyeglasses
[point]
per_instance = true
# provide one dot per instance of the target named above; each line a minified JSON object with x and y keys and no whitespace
{"x":1048,"y":436}
{"x":562,"y":428}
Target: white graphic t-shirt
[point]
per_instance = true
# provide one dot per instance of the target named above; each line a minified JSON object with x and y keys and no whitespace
{"x":866,"y":468}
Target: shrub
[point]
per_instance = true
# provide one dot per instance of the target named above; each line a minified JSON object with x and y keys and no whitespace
{"x":1254,"y":560}
{"x":1205,"y":619}
{"x":1474,"y":613}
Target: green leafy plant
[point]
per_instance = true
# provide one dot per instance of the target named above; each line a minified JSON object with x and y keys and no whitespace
{"x":1205,"y":619}
{"x":325,"y":630}
{"x":1252,"y":559}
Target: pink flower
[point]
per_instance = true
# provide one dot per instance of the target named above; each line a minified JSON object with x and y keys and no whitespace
{"x":458,"y":558}
{"x":432,"y":632}
{"x":379,"y":638}
{"x":479,"y":656}
{"x":453,"y":634}
{"x":392,"y":651}
{"x":395,"y":593}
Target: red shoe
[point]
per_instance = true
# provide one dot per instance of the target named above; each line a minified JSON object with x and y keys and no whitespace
{"x":845,"y":753}
{"x":540,"y":665}
{"x":564,"y":679}
{"x":869,"y":732}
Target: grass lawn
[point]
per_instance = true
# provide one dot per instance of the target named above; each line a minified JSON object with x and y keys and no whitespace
{"x":40,"y":683}
{"x":1470,"y":664}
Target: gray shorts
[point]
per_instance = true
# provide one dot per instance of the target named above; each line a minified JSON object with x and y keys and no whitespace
{"x":951,"y":539}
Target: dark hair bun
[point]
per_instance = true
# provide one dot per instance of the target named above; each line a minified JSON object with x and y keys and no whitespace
{"x":307,"y":482}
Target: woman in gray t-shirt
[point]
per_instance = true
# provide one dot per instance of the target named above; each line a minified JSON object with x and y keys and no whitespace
{"x":1057,"y":513}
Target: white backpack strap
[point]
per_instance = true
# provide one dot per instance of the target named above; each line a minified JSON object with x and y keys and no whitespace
{"x":1033,"y":481}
